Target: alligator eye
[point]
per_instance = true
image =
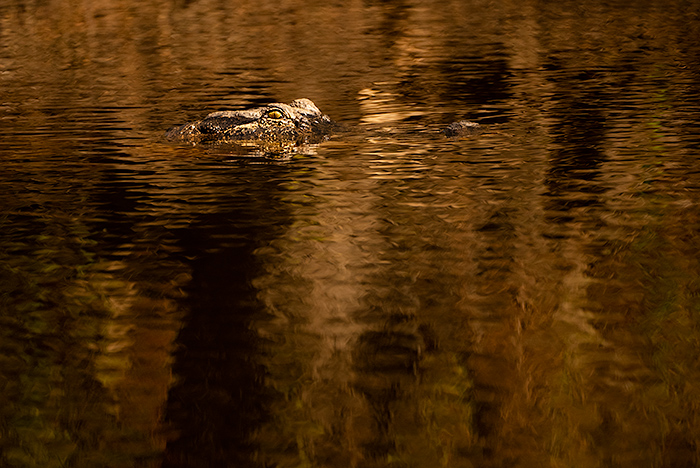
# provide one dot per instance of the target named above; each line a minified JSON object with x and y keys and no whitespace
{"x":275,"y":114}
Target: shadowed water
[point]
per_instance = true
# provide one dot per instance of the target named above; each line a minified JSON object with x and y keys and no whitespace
{"x":526,"y":297}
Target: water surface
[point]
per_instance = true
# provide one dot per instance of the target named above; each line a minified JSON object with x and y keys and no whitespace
{"x":529,"y":297}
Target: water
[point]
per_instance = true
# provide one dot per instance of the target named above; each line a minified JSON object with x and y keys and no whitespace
{"x":527,"y":297}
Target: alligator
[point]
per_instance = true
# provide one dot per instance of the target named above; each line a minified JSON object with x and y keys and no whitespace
{"x":276,"y":127}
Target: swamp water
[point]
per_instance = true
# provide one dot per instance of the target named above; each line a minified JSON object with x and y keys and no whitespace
{"x":389,"y":298}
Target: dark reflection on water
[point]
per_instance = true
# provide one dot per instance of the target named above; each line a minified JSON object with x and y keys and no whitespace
{"x":391,"y":297}
{"x":220,"y":396}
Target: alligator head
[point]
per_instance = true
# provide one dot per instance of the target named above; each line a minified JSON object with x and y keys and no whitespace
{"x":298,"y":122}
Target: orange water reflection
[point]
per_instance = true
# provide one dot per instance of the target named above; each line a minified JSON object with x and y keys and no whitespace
{"x":528,"y":297}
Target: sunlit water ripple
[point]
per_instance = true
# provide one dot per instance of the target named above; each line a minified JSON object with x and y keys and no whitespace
{"x":389,"y":297}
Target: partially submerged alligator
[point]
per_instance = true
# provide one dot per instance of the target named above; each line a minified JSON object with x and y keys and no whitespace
{"x":277,"y":127}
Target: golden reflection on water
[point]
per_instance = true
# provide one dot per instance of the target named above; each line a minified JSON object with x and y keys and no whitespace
{"x":528,"y":297}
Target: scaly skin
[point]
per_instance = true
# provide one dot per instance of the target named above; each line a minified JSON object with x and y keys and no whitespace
{"x":299,"y":121}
